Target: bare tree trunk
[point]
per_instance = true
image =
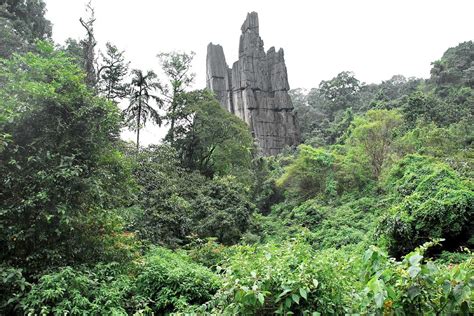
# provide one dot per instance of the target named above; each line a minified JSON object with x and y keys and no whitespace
{"x":89,"y":48}
{"x":138,"y":122}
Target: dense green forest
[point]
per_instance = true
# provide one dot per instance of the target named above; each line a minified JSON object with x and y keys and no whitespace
{"x":372,"y":214}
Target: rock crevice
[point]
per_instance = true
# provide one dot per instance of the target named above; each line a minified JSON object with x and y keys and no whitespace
{"x":255,"y":89}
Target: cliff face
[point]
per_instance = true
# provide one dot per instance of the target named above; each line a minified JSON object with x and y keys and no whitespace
{"x":255,"y":89}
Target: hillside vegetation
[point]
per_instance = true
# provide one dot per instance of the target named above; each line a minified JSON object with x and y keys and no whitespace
{"x":372,"y":214}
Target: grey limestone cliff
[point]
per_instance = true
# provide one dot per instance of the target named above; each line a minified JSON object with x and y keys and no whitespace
{"x":255,"y":89}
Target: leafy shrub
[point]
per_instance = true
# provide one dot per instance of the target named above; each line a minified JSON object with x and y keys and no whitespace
{"x":222,"y":210}
{"x":13,"y":286}
{"x":176,"y":203}
{"x":414,"y":286}
{"x":78,"y":292}
{"x":207,"y":252}
{"x":431,"y":201}
{"x":292,"y":278}
{"x":350,"y":223}
{"x":310,"y":174}
{"x":163,"y":282}
{"x":170,"y":281}
{"x":282,"y":278}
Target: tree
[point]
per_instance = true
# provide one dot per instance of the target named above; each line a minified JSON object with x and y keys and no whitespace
{"x":112,"y":73}
{"x":309,"y":116}
{"x":164,"y":200}
{"x":61,"y":176}
{"x":310,"y":174}
{"x":22,"y":22}
{"x":141,"y":97}
{"x":373,"y":135}
{"x":75,"y":51}
{"x":177,"y":67}
{"x":88,"y":46}
{"x":455,"y":67}
{"x":339,"y":93}
{"x":175,"y":203}
{"x":324,"y":112}
{"x":223,"y":210}
{"x":215,"y":142}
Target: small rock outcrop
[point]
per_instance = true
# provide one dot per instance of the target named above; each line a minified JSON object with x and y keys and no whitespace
{"x":255,"y":89}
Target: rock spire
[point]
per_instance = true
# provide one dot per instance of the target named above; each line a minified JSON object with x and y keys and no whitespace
{"x":255,"y":89}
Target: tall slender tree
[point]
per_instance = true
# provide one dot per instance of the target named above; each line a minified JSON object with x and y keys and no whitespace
{"x":141,"y":108}
{"x":177,"y":68}
{"x":112,"y":72}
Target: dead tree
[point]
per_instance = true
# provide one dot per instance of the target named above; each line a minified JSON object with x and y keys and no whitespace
{"x":88,"y":46}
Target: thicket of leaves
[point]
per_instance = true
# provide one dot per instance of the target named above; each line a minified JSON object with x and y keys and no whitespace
{"x":430,"y":201}
{"x":61,"y":175}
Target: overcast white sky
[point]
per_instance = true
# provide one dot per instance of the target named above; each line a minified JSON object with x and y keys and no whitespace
{"x":373,"y":38}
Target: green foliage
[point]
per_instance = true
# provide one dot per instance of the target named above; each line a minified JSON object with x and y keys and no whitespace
{"x":222,"y":210}
{"x":431,"y":201}
{"x":164,"y":199}
{"x":452,"y":144}
{"x":207,"y":252}
{"x":283,"y":278}
{"x":176,"y":203}
{"x":22,"y":22}
{"x":13,"y":286}
{"x":177,"y":68}
{"x":72,"y":291}
{"x":293,"y":278}
{"x":61,"y":176}
{"x":455,"y":67}
{"x":162,"y":282}
{"x":350,"y":223}
{"x":430,"y":107}
{"x":415,"y":286}
{"x":310,"y":174}
{"x":170,"y":282}
{"x":216,"y":142}
{"x":372,"y":137}
{"x":339,"y":93}
{"x":69,"y":186}
{"x":112,"y":74}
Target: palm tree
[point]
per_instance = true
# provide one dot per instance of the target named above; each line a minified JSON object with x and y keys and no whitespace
{"x":140,"y":107}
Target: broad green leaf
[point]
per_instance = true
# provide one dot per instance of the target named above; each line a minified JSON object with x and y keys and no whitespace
{"x":415,"y":259}
{"x":296,"y":298}
{"x":303,"y":293}
{"x":413,"y":271}
{"x":379,"y":298}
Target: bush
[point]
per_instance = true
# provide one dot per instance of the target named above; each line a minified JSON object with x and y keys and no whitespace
{"x":431,"y":201}
{"x":283,"y":278}
{"x":310,"y":174}
{"x":12,"y":288}
{"x":170,"y":281}
{"x":414,"y":286}
{"x":294,"y":279}
{"x":163,"y":282}
{"x":99,"y":291}
{"x":222,"y":210}
{"x":207,"y":252}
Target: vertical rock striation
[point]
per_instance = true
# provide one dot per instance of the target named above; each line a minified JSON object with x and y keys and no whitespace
{"x":255,"y":89}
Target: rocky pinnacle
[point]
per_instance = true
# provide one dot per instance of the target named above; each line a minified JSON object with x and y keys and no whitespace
{"x":255,"y":89}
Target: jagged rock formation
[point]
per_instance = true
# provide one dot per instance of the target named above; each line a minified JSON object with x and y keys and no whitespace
{"x":255,"y":89}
